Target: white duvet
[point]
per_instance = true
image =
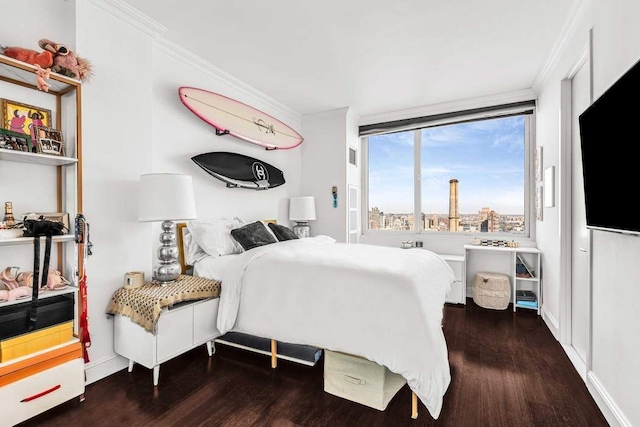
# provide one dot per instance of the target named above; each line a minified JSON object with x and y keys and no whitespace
{"x":382,"y":303}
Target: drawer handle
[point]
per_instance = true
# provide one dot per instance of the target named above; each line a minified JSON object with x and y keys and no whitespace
{"x":353,"y":380}
{"x":44,"y":393}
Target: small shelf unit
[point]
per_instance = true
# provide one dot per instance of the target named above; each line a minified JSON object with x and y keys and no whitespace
{"x":533,"y":258}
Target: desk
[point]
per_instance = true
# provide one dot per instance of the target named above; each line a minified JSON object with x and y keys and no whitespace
{"x":504,"y":260}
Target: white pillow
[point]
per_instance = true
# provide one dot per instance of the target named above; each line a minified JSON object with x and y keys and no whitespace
{"x":192,"y":251}
{"x":214,"y":237}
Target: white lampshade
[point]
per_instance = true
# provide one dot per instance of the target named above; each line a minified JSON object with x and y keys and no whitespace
{"x":166,"y":197}
{"x":302,"y":208}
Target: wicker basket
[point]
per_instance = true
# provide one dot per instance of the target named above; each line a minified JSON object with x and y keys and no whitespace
{"x":492,"y":290}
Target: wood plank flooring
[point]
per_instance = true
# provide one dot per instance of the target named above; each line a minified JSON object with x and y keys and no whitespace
{"x":506,"y":368}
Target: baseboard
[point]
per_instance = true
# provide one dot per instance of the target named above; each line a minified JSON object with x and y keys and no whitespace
{"x":576,"y":360}
{"x":102,"y":368}
{"x":605,"y":402}
{"x":551,"y":322}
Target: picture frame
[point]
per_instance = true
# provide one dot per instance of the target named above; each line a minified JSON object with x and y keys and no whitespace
{"x":48,"y":140}
{"x":15,"y":141}
{"x":20,"y":118}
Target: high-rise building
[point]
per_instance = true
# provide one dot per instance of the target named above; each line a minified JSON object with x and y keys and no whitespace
{"x":454,"y":219}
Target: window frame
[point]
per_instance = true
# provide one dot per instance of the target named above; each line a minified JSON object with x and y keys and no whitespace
{"x":529,"y":181}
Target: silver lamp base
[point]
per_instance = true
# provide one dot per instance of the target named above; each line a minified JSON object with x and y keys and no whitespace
{"x":168,"y":270}
{"x":302,"y":229}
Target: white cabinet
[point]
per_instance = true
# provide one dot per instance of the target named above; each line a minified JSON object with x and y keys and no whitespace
{"x":179,"y":329}
{"x":504,"y":260}
{"x":458,"y":292}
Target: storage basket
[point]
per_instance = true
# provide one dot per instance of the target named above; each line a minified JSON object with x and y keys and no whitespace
{"x":360,"y":380}
{"x":35,"y":341}
{"x":492,"y":290}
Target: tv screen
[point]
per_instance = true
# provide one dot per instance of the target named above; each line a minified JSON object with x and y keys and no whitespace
{"x":610,"y":141}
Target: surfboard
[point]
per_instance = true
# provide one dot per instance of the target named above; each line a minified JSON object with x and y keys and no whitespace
{"x":237,"y":170}
{"x":232,"y":117}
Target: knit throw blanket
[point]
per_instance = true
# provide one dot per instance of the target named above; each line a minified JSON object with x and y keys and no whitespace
{"x":143,"y":305}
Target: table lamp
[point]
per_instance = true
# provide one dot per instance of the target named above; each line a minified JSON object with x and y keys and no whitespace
{"x":302,"y":210}
{"x":166,"y":197}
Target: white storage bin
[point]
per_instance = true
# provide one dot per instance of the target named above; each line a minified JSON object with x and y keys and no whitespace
{"x":360,"y":380}
{"x":492,"y":290}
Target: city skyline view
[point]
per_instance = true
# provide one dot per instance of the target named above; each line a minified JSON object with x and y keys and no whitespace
{"x":486,"y":157}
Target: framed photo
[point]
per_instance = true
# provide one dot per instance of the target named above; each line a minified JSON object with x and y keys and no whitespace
{"x":20,"y":118}
{"x":48,"y":140}
{"x":15,"y":141}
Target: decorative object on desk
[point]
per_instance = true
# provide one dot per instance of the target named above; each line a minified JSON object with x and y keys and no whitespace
{"x":231,"y":117}
{"x":539,"y":184}
{"x":407,"y":244}
{"x":47,"y":140}
{"x":419,"y":244}
{"x":166,"y":197}
{"x":237,"y":170}
{"x":10,"y":140}
{"x":8,"y":219}
{"x":19,"y":117}
{"x":302,"y":210}
{"x":133,"y":279}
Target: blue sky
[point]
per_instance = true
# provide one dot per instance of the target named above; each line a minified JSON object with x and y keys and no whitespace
{"x":486,"y":157}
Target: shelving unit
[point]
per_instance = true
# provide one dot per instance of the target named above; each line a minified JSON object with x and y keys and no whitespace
{"x":36,"y":382}
{"x":533,"y":258}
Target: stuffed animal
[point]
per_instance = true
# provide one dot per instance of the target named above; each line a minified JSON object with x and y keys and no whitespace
{"x":43,"y":59}
{"x":42,"y":75}
{"x":66,"y":62}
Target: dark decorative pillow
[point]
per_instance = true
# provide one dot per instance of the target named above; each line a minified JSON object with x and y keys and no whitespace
{"x":282,"y":232}
{"x":253,"y":235}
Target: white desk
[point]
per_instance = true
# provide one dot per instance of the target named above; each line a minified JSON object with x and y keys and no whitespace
{"x":503,"y":260}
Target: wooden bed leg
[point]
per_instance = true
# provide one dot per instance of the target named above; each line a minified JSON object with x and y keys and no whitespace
{"x":414,"y":405}
{"x":274,"y":352}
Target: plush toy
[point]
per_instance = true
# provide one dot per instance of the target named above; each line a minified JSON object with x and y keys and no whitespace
{"x":66,"y":62}
{"x":43,"y":59}
{"x":42,"y":75}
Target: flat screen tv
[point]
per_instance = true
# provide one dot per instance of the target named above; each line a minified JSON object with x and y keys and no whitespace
{"x":610,"y":141}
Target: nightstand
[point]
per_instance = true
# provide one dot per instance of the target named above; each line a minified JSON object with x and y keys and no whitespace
{"x":179,"y":327}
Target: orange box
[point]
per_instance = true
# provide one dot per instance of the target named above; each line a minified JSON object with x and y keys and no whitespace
{"x":32,"y":342}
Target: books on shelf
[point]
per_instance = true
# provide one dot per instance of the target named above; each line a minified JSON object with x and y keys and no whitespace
{"x":528,"y":304}
{"x":522,"y":295}
{"x":522,"y":268}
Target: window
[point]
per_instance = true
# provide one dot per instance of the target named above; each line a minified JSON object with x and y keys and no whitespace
{"x":464,"y":174}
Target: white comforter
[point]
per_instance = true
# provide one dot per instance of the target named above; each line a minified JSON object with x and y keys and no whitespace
{"x":382,"y":303}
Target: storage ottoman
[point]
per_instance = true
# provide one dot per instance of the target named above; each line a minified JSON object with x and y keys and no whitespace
{"x":360,"y":380}
{"x":492,"y":290}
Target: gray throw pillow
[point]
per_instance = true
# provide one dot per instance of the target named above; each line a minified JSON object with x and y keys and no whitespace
{"x":253,"y":235}
{"x":282,"y":232}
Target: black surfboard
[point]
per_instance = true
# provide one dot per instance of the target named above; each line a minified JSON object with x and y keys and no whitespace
{"x":237,"y":170}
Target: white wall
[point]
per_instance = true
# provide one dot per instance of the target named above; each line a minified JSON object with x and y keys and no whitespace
{"x":324,"y":165}
{"x":615,"y":376}
{"x":134,"y":123}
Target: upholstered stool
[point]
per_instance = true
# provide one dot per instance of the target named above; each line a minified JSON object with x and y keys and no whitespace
{"x":492,"y":290}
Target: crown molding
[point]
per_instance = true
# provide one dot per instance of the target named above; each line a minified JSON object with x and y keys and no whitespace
{"x":449,"y":107}
{"x":568,"y":30}
{"x":184,"y":55}
{"x":122,"y":10}
{"x":131,"y":15}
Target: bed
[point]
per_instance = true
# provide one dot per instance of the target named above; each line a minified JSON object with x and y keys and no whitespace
{"x":340,"y":297}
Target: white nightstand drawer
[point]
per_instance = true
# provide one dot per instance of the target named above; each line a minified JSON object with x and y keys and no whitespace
{"x":37,"y":393}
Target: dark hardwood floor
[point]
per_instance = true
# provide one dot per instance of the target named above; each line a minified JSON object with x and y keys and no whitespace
{"x":506,"y":368}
